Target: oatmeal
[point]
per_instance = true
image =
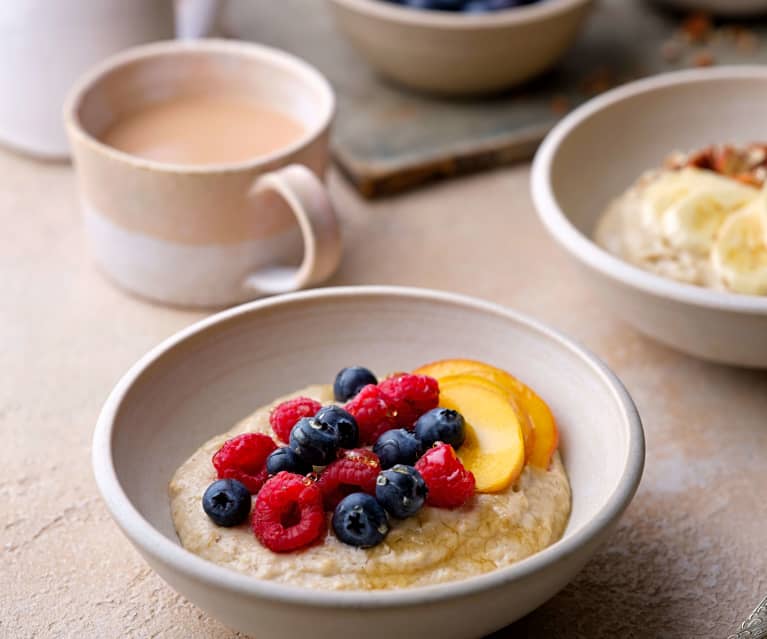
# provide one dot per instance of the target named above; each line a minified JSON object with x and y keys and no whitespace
{"x":702,"y":220}
{"x":434,"y":546}
{"x":421,"y":478}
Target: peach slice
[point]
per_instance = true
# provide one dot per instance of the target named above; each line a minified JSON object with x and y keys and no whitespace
{"x":494,"y":449}
{"x":542,"y":436}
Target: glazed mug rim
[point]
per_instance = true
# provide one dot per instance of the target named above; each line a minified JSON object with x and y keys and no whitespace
{"x":269,"y":56}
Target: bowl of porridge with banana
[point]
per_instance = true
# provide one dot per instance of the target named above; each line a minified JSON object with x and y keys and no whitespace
{"x":656,"y":189}
{"x":701,"y":218}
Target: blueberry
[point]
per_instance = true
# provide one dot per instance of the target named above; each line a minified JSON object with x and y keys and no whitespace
{"x":438,"y":5}
{"x":285,"y":459}
{"x":314,"y":442}
{"x":344,"y":424}
{"x":486,"y":6}
{"x":401,"y":491}
{"x":226,"y":502}
{"x":351,"y":381}
{"x":359,"y":520}
{"x":440,"y":425}
{"x":467,"y":6}
{"x":397,"y":446}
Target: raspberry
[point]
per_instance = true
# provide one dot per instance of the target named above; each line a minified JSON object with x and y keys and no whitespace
{"x":411,"y":396}
{"x":285,"y":415}
{"x":244,"y":458}
{"x":450,"y":484}
{"x":355,"y":471}
{"x":288,"y":514}
{"x":372,"y":412}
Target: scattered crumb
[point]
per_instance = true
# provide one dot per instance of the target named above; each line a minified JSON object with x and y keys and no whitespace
{"x":671,"y":50}
{"x":560,"y":104}
{"x":697,"y":28}
{"x":746,"y":41}
{"x":703,"y":59}
{"x":598,"y":81}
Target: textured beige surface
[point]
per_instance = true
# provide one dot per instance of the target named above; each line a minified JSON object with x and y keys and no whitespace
{"x":687,"y":560}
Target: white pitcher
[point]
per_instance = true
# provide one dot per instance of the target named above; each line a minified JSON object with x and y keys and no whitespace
{"x":46,"y":44}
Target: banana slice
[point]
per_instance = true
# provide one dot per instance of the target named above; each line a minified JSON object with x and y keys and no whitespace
{"x":665,"y":190}
{"x":692,"y":223}
{"x":671,"y":189}
{"x":739,"y":254}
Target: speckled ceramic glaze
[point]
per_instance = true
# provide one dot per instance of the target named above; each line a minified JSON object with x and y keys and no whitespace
{"x":214,"y":373}
{"x":601,"y":148}
{"x":444,"y":52}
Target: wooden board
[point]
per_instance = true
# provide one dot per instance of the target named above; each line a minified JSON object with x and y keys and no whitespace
{"x":387,"y":139}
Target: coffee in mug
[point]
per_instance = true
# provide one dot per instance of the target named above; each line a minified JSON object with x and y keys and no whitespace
{"x":200,"y":170}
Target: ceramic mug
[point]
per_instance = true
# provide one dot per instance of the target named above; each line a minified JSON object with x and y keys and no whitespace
{"x":214,"y":234}
{"x":45,"y":46}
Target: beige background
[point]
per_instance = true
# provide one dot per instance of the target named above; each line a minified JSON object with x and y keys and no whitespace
{"x":688,"y":558}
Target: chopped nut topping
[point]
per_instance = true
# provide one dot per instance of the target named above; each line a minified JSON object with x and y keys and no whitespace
{"x":745,"y":164}
{"x":703,"y":59}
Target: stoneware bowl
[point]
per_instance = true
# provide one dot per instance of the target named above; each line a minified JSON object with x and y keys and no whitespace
{"x":601,"y":148}
{"x":453,"y":53}
{"x":202,"y":380}
{"x":730,"y":8}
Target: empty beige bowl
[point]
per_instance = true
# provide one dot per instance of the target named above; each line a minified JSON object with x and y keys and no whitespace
{"x":454,"y":53}
{"x":202,"y":380}
{"x":601,"y":148}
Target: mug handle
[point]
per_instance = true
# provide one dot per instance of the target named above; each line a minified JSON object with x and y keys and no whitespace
{"x":308,"y":200}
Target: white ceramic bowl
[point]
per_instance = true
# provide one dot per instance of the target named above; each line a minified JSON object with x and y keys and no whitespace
{"x":600,"y":149}
{"x":453,"y":53}
{"x":199,"y":382}
{"x":731,"y":8}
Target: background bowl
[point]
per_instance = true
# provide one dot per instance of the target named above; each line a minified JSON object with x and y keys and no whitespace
{"x":601,"y":148}
{"x":455,"y":53}
{"x":199,"y":382}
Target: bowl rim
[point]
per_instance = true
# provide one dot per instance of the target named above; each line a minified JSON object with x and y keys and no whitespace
{"x":583,"y":247}
{"x":281,"y":61}
{"x":456,"y":21}
{"x":153,"y":543}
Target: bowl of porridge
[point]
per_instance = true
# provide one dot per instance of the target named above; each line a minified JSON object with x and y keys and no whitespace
{"x":510,"y":492}
{"x":657,"y":190}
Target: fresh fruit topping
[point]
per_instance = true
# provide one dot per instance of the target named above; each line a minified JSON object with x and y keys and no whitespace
{"x":354,"y":472}
{"x":244,"y":458}
{"x":488,"y":6}
{"x":285,"y":459}
{"x":441,"y":425}
{"x":401,"y":491}
{"x":351,"y":381}
{"x":372,"y":412}
{"x":739,"y":257}
{"x":449,"y":484}
{"x":494,"y":449}
{"x":398,"y":446}
{"x":226,"y":502}
{"x":285,"y":415}
{"x":359,"y":520}
{"x":344,"y":424}
{"x":465,"y":6}
{"x":314,"y":442}
{"x":538,"y":425}
{"x":410,"y":396}
{"x":288,"y":514}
